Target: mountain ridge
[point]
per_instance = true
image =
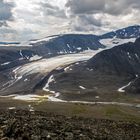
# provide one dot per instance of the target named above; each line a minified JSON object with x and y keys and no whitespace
{"x":28,"y":66}
{"x":107,"y":74}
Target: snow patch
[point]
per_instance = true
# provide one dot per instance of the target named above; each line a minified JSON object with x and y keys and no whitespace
{"x":12,"y":108}
{"x":34,"y":58}
{"x":82,"y":87}
{"x":6,"y":63}
{"x":50,"y":80}
{"x":79,"y":48}
{"x":137,"y":56}
{"x":77,"y":63}
{"x":29,"y":97}
{"x":115,"y":41}
{"x":67,"y":68}
{"x":122,"y":88}
{"x":89,"y":69}
{"x":97,"y":97}
{"x":46,"y":88}
{"x":25,"y":80}
{"x":21,"y":54}
{"x":128,"y":55}
{"x":54,"y":99}
{"x":43,"y":39}
{"x":68,"y":46}
{"x":31,"y":109}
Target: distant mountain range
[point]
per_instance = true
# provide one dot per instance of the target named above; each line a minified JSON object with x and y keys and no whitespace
{"x":125,"y":33}
{"x":68,"y":43}
{"x":114,"y":68}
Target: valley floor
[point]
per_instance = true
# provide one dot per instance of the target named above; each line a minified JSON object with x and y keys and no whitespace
{"x":70,"y":121}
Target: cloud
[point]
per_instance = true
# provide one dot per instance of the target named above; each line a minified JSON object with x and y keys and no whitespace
{"x":85,"y":23}
{"x":7,"y":33}
{"x":102,"y":15}
{"x":113,"y":7}
{"x":40,"y":17}
{"x":6,"y":11}
{"x":84,"y":6}
{"x":27,"y":19}
{"x":3,"y":23}
{"x":51,"y":10}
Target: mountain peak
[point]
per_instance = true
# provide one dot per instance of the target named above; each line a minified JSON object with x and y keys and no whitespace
{"x":127,"y":32}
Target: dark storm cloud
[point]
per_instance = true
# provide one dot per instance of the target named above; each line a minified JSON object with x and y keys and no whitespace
{"x":51,"y":10}
{"x":113,"y":7}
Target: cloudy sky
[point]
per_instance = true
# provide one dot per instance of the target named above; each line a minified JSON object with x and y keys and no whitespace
{"x":29,"y":19}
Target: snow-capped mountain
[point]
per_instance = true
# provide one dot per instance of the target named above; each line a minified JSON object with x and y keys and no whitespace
{"x":17,"y":55}
{"x":120,"y":36}
{"x":125,"y":33}
{"x":66,"y":44}
{"x":70,"y":43}
{"x":31,"y":65}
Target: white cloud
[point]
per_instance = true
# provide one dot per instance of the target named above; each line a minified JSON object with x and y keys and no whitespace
{"x":39,"y":18}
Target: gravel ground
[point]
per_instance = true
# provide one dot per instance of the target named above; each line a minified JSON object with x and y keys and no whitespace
{"x":26,"y":125}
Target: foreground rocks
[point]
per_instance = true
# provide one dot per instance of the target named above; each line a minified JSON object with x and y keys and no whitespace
{"x":25,"y":125}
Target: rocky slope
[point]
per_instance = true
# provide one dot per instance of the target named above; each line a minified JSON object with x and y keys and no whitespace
{"x":122,"y":60}
{"x":107,"y":74}
{"x":40,"y":125}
